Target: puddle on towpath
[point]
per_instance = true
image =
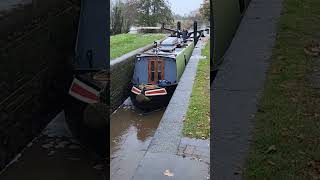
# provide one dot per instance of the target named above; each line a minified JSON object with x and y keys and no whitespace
{"x":130,"y":135}
{"x":55,"y":155}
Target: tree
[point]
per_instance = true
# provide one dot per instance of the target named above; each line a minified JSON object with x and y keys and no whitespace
{"x":205,"y":9}
{"x":123,"y":15}
{"x":195,"y":16}
{"x":152,"y":12}
{"x":131,"y":14}
{"x":117,"y":18}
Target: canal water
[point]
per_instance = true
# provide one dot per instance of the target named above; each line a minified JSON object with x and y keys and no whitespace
{"x":130,"y":135}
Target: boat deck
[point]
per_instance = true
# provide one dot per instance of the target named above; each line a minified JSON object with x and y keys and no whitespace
{"x":168,"y":50}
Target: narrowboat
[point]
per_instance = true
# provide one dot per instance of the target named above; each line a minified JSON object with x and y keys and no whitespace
{"x":158,"y":71}
{"x":86,"y":108}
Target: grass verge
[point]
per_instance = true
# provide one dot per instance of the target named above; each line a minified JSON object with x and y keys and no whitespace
{"x":286,"y":139}
{"x":123,"y":43}
{"x":197,"y":122}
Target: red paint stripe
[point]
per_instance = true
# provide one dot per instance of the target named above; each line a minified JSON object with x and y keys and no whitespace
{"x":134,"y":89}
{"x":156,"y":92}
{"x":83,"y":92}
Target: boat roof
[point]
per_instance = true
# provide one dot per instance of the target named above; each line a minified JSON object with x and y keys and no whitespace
{"x":167,"y":48}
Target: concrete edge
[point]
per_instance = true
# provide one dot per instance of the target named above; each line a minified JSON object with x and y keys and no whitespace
{"x":169,"y":132}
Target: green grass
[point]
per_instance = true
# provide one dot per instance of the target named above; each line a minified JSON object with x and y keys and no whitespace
{"x":197,"y":122}
{"x":286,"y":139}
{"x":124,"y":43}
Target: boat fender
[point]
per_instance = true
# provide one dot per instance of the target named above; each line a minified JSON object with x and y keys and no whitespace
{"x":95,"y":116}
{"x":142,"y":98}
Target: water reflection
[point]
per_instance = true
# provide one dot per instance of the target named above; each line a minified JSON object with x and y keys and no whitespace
{"x":128,"y":123}
{"x":130,"y":135}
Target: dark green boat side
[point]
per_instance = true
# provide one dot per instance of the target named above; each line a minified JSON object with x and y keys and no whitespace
{"x":225,"y":25}
{"x":157,"y":71}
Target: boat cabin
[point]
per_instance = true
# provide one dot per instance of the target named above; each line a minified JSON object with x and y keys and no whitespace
{"x":164,"y":64}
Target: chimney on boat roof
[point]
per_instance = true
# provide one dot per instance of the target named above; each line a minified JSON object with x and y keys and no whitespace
{"x":178,"y":29}
{"x":195,"y":31}
{"x":179,"y":25}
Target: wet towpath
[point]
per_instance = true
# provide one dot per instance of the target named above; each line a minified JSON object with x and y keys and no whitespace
{"x":55,"y":155}
{"x":130,"y":135}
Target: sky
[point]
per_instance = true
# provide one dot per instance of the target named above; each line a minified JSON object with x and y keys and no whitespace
{"x":182,"y":7}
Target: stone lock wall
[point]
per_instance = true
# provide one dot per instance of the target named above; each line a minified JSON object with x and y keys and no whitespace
{"x":121,"y":74}
{"x":36,"y":41}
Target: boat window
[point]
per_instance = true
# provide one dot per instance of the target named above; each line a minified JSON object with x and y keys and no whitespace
{"x":156,"y":71}
{"x":152,"y":70}
{"x":152,"y":66}
{"x":160,"y":70}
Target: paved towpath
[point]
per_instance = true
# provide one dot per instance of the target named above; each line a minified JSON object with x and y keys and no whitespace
{"x":238,"y":84}
{"x":169,"y":155}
